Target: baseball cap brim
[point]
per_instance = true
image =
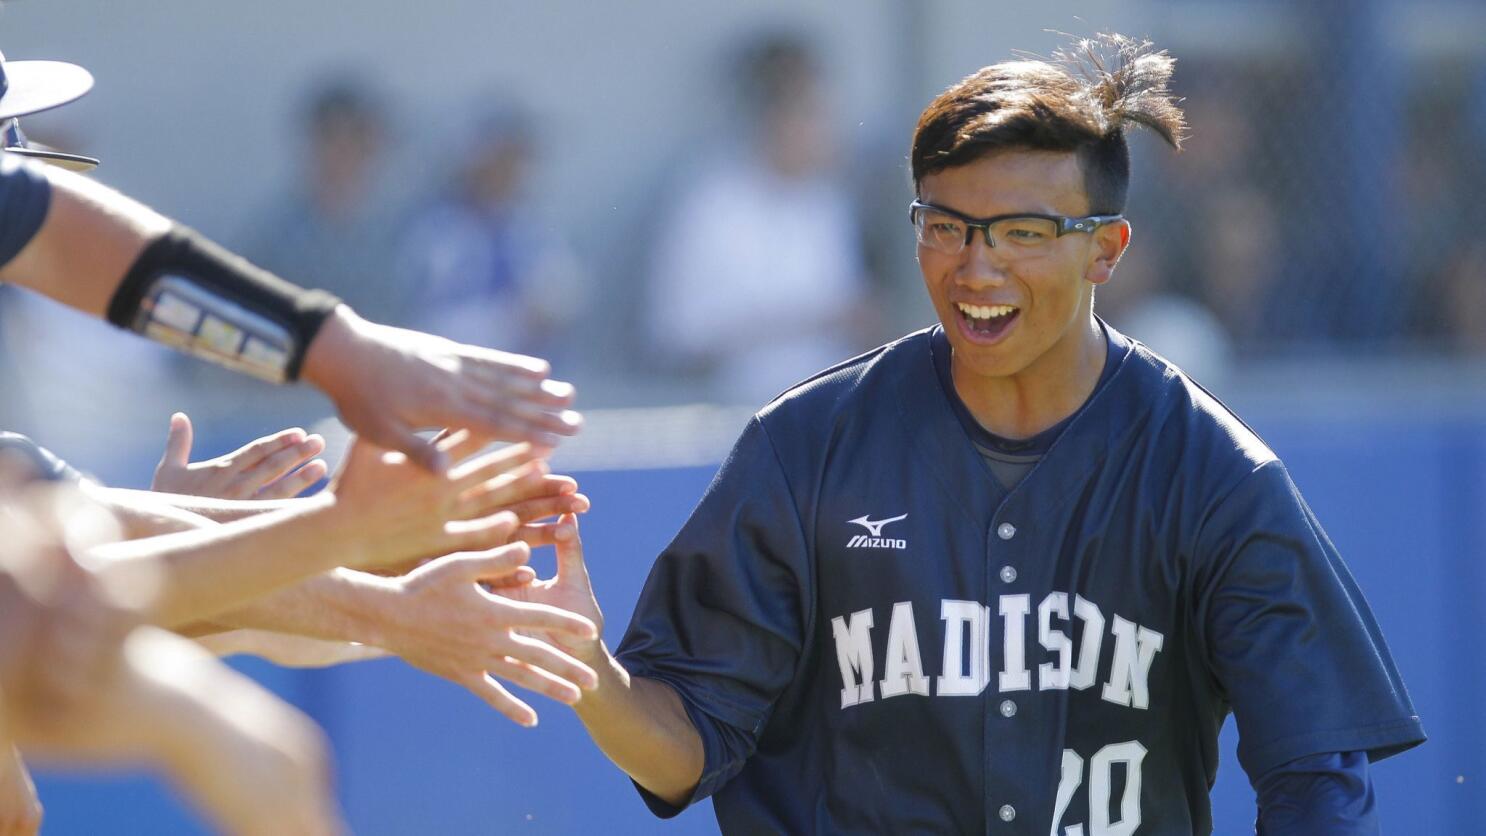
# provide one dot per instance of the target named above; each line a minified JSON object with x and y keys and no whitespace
{"x":70,"y":162}
{"x":35,"y":86}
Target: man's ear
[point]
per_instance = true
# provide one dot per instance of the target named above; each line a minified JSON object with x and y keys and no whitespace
{"x":1109,"y":244}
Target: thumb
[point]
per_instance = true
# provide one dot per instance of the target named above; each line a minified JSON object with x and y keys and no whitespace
{"x":570,"y":565}
{"x":178,"y":441}
{"x":395,"y":436}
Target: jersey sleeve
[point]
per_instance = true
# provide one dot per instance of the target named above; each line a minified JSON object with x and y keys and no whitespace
{"x":1329,"y":794}
{"x":39,"y":462}
{"x":1291,"y":641}
{"x":25,"y":196}
{"x":723,"y":615}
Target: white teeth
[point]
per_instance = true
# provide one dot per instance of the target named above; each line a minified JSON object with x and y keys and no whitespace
{"x":985,"y":311}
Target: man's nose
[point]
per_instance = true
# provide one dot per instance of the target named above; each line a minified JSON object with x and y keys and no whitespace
{"x":980,"y":264}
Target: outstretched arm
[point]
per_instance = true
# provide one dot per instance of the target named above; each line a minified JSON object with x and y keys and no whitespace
{"x":381,"y":511}
{"x":288,"y":651}
{"x":639,"y":723}
{"x":387,"y":383}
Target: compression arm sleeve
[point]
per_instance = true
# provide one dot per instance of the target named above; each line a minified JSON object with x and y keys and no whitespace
{"x":188,"y":293}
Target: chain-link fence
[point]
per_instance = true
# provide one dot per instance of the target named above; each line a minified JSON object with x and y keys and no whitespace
{"x":1328,"y":197}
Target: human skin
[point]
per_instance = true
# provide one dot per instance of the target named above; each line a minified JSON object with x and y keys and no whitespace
{"x":1047,"y":361}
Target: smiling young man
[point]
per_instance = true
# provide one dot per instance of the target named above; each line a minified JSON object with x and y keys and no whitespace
{"x":1009,"y":574}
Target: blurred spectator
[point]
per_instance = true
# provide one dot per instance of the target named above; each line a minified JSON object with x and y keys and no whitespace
{"x":1241,"y":247}
{"x":1216,"y":284}
{"x":757,"y":277}
{"x":1175,"y":325}
{"x":334,"y":228}
{"x":487,"y":271}
{"x":1459,"y":293}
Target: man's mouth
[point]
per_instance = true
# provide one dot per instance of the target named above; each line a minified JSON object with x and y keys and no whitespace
{"x":986,"y":322}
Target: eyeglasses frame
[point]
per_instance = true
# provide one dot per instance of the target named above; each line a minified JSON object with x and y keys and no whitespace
{"x":1064,"y":224}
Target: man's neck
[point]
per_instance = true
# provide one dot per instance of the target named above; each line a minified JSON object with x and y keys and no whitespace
{"x":1049,"y":390}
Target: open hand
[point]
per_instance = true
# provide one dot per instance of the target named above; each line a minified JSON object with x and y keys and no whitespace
{"x":277,"y":466}
{"x":570,"y":590}
{"x":445,"y":623}
{"x":389,"y":383}
{"x":399,"y":513}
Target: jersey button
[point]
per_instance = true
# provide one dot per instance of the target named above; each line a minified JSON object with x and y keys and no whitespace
{"x":1006,"y":531}
{"x":1008,"y":708}
{"x":1007,"y":812}
{"x":1008,"y":574}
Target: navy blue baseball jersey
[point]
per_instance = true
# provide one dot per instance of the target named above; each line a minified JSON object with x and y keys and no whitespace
{"x":872,"y":634}
{"x":25,"y":196}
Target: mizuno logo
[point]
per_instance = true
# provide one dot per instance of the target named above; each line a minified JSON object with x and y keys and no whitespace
{"x":873,"y":539}
{"x":874,"y":527}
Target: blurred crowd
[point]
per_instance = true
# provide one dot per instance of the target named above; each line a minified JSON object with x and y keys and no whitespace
{"x":777,"y":247}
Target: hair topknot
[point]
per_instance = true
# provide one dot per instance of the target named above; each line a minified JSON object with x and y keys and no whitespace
{"x":1129,"y":81}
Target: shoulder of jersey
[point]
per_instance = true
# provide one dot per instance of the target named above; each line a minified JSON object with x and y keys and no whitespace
{"x":845,"y":384}
{"x":1193,"y":415}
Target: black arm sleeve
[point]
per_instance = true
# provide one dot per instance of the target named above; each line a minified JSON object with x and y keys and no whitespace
{"x":190,"y":293}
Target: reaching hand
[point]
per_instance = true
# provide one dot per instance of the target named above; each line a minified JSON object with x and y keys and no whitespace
{"x":445,"y":623}
{"x":277,"y":466}
{"x":400,"y":514}
{"x":569,"y":590}
{"x":389,"y":383}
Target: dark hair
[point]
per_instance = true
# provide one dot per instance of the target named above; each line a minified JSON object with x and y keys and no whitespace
{"x":343,"y":100}
{"x":771,"y":66}
{"x":1079,"y":102}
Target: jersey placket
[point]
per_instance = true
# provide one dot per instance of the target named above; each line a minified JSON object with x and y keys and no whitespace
{"x":1009,"y":750}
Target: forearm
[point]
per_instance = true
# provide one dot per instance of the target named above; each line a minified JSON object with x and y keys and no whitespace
{"x":145,"y":513}
{"x":91,"y":236}
{"x":206,"y":571}
{"x":288,"y":651}
{"x":211,"y":508}
{"x":641,"y":725}
{"x":341,"y":606}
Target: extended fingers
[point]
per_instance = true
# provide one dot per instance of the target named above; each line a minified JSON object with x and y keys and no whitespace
{"x":254,"y":451}
{"x":522,"y":615}
{"x":476,"y":535}
{"x":540,"y":654}
{"x":178,"y":441}
{"x":569,"y":549}
{"x":550,"y":506}
{"x":535,"y":679}
{"x":501,"y":700}
{"x":519,"y":414}
{"x":520,"y":576}
{"x":297,"y":482}
{"x":273,"y":466}
{"x":494,"y":564}
{"x":530,"y":491}
{"x":490,"y":465}
{"x":537,"y":535}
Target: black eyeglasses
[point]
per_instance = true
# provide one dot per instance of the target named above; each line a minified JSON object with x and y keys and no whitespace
{"x":947,"y":231}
